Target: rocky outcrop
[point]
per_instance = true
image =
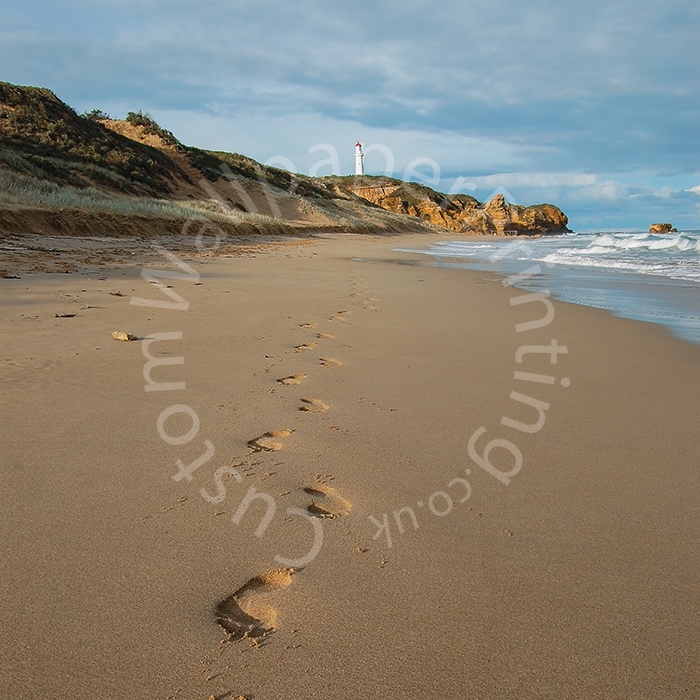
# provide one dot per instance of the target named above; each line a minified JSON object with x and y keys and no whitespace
{"x":538,"y":218}
{"x":662,"y":228}
{"x":421,"y":202}
{"x":374,"y":193}
{"x":466,"y":214}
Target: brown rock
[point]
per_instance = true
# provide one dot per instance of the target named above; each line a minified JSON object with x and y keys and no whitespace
{"x":539,"y":218}
{"x":499,"y":212}
{"x":120,"y":335}
{"x":373,"y":194}
{"x":662,"y":228}
{"x":465,"y":214}
{"x":460,"y":212}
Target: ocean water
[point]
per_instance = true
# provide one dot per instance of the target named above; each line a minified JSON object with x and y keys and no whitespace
{"x":648,"y":277}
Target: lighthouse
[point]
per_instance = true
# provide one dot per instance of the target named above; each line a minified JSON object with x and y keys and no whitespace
{"x":359,"y":160}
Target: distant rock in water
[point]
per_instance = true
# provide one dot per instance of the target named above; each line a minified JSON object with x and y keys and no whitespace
{"x":463,"y":213}
{"x":662,"y":228}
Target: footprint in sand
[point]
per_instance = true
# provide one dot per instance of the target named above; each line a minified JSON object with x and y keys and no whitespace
{"x":313,"y":406}
{"x":307,"y":325}
{"x":242,"y":614}
{"x":292,"y":379}
{"x":326,"y":503}
{"x":329,"y":362}
{"x":304,"y":346}
{"x":267,"y":442}
{"x":324,"y":335}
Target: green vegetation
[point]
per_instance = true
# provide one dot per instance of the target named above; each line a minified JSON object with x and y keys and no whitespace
{"x":16,"y":188}
{"x":35,"y":123}
{"x":348,"y":182}
{"x":150,"y":127}
{"x":302,"y":185}
{"x":65,"y":172}
{"x":96,"y":115}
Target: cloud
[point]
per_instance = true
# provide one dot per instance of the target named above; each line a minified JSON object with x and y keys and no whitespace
{"x":291,"y":136}
{"x":548,"y":179}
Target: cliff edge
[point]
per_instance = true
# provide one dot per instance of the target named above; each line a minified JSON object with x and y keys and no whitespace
{"x":461,"y":213}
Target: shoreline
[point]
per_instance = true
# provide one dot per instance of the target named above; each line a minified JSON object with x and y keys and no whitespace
{"x":653,"y":298}
{"x":576,"y":579}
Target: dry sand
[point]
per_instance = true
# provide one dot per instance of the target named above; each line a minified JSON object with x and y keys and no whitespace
{"x":344,"y":390}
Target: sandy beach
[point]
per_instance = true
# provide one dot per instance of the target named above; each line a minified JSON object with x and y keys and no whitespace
{"x":299,"y":501}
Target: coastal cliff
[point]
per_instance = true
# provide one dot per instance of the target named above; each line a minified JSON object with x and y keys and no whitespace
{"x":463,"y":213}
{"x":71,"y":174}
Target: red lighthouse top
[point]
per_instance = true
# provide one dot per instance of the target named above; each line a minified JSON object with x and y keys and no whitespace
{"x":358,"y":144}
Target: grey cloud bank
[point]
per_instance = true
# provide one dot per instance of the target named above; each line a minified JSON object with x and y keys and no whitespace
{"x":591,"y":106}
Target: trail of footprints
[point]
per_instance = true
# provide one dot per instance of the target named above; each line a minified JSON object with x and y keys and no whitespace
{"x":245,"y":614}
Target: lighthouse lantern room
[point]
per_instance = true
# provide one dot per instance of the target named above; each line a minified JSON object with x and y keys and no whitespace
{"x":359,"y":160}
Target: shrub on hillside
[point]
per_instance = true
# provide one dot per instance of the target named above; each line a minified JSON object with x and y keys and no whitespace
{"x":151,"y":127}
{"x":96,"y":115}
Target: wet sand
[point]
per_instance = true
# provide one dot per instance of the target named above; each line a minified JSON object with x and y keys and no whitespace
{"x":336,"y":400}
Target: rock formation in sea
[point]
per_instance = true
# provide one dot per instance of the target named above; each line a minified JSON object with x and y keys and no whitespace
{"x":662,"y":228}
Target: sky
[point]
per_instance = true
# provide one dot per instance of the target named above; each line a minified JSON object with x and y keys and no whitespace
{"x":593,"y":107}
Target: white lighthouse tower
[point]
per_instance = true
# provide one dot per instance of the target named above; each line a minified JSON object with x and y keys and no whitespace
{"x":359,"y":160}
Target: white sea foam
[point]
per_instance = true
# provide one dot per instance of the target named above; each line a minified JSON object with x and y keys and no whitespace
{"x":669,"y":255}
